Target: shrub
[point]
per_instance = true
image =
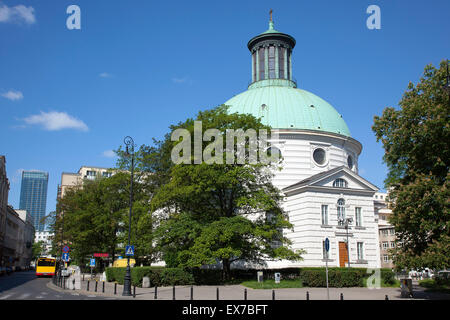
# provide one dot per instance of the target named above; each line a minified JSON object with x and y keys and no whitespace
{"x":158,"y":276}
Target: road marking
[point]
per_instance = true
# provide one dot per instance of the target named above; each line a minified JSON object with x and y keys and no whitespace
{"x":39,"y":297}
{"x":5,"y":297}
{"x":23,"y":296}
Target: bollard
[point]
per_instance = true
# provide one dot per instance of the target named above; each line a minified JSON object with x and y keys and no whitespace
{"x":156,"y":292}
{"x":245,"y":294}
{"x":103,"y":287}
{"x":173,"y":293}
{"x":64,"y":284}
{"x":342,"y":296}
{"x":83,"y":276}
{"x":192,"y":293}
{"x":96,"y":283}
{"x":134,"y":291}
{"x":273,"y":294}
{"x":87,"y":286}
{"x":217,"y":293}
{"x":73,"y":283}
{"x":115,"y":287}
{"x":386,"y":298}
{"x":307,"y":295}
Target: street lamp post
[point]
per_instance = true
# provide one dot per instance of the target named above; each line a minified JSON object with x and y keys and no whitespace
{"x":346,"y":222}
{"x":127,"y":280}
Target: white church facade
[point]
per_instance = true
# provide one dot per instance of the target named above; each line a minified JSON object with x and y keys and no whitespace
{"x":324,"y":195}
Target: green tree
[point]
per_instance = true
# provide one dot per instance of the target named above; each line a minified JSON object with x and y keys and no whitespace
{"x":95,"y":216}
{"x":220,"y":212}
{"x":416,"y":142}
{"x":37,"y":249}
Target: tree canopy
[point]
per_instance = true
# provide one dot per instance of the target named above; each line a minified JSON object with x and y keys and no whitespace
{"x":220,"y":212}
{"x":416,"y":142}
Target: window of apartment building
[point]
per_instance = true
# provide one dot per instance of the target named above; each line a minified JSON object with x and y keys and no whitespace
{"x":358,"y":217}
{"x":325,"y":253}
{"x":391,"y":231}
{"x":392,"y":244}
{"x":385,"y":245}
{"x":360,"y":249}
{"x":106,"y":174}
{"x":385,"y":258}
{"x":385,"y":232}
{"x":324,"y":214}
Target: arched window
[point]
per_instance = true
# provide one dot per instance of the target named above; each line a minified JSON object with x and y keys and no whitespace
{"x":340,"y":183}
{"x":341,"y":211}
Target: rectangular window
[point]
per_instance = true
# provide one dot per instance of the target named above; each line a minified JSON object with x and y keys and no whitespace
{"x":385,"y":258}
{"x":360,"y":251}
{"x":324,"y":214}
{"x":358,"y":217}
{"x":385,"y":245}
{"x":325,"y":253}
{"x":392,"y":231}
{"x":392,"y":244}
{"x":281,"y":62}
{"x":271,"y":62}
{"x":261,"y":63}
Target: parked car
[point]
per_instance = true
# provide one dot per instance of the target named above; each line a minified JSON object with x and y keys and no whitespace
{"x":8,"y":270}
{"x":2,"y":270}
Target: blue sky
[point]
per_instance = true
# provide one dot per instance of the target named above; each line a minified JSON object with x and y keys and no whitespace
{"x":69,"y":97}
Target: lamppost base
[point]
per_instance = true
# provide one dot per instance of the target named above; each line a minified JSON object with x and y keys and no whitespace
{"x":127,"y":282}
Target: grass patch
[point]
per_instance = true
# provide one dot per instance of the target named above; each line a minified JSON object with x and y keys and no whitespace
{"x":431,"y":285}
{"x":270,"y":284}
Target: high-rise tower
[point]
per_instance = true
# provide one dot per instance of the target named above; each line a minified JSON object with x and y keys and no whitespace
{"x":33,"y":196}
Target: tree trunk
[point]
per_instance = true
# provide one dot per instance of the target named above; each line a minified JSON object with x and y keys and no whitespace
{"x":226,"y":269}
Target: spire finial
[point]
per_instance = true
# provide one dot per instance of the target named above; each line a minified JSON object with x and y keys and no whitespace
{"x":270,"y":21}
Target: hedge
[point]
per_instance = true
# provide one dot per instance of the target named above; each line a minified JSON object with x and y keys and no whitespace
{"x":159,"y":276}
{"x":310,"y":277}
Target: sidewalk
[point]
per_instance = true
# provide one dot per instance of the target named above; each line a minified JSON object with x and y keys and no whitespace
{"x":237,"y":292}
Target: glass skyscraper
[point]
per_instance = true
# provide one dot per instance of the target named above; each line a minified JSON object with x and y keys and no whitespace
{"x":33,"y":196}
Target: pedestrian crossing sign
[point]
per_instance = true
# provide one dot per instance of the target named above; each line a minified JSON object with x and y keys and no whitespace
{"x":129,"y":251}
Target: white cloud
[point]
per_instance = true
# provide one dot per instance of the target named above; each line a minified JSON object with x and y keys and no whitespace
{"x":109,"y":154}
{"x":105,"y":75}
{"x":54,"y":121}
{"x":19,"y":13}
{"x":180,"y":80}
{"x":13,"y":95}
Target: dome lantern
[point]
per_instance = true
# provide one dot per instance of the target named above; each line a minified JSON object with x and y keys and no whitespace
{"x":271,"y":58}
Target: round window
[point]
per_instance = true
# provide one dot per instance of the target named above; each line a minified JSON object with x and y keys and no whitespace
{"x":319,"y":156}
{"x":350,"y":162}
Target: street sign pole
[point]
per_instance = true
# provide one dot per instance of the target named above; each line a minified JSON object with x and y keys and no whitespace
{"x":327,"y":248}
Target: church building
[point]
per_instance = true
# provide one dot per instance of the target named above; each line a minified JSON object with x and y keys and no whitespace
{"x":325,"y":197}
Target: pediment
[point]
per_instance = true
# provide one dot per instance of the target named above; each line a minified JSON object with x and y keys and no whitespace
{"x":325,"y":180}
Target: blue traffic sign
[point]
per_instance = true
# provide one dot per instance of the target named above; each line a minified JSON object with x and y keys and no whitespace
{"x":327,"y":244}
{"x":65,"y":256}
{"x":92,"y":263}
{"x":66,"y":249}
{"x":129,"y":251}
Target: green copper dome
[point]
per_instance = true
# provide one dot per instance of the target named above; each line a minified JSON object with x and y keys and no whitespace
{"x":284,"y":107}
{"x":273,"y":95}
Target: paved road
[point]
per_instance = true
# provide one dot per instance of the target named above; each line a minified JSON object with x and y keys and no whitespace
{"x":25,"y":285}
